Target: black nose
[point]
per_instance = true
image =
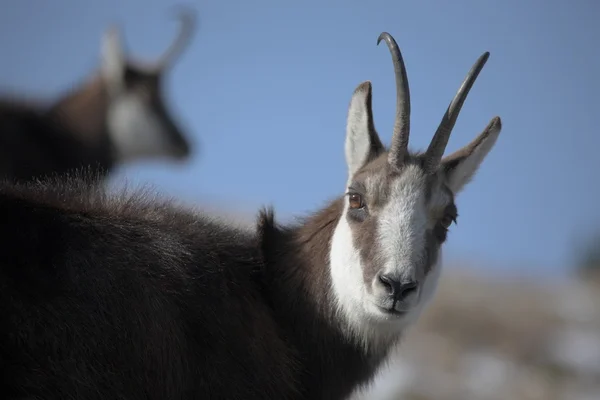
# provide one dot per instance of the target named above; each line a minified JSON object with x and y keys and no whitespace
{"x":396,"y":288}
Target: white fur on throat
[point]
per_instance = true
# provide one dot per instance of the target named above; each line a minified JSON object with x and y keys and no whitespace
{"x":359,"y":317}
{"x":402,"y":225}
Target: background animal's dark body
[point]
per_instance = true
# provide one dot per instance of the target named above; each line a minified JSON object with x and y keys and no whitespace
{"x":35,"y":144}
{"x":130,"y":298}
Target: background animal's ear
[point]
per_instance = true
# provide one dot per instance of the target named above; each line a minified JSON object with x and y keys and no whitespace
{"x":460,"y":167}
{"x":113,"y":58}
{"x":362,"y":142}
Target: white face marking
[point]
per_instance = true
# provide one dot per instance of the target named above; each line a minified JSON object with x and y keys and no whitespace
{"x":135,"y":129}
{"x":401,"y":228}
{"x":402,"y":224}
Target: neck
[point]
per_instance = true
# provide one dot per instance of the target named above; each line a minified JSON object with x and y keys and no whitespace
{"x":299,"y":287}
{"x":83,"y":112}
{"x":81,"y":115}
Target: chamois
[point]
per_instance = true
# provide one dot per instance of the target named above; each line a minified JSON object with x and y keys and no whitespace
{"x":130,"y":297}
{"x":116,"y":116}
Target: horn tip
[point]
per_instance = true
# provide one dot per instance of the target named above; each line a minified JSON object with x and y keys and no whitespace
{"x":382,"y":36}
{"x":496,"y":123}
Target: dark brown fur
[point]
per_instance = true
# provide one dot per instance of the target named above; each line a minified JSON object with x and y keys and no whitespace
{"x":133,"y":298}
{"x":35,"y":143}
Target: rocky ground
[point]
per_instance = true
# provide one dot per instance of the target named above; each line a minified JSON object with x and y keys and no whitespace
{"x":498,"y":339}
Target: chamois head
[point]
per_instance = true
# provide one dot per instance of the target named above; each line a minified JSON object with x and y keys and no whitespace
{"x":138,"y":122}
{"x":398,"y":207}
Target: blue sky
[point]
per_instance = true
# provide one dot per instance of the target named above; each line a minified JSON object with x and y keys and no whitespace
{"x":265,"y":86}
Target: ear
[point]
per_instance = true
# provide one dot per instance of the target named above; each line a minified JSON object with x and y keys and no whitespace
{"x":113,"y":59}
{"x":362,"y":142}
{"x":460,"y":167}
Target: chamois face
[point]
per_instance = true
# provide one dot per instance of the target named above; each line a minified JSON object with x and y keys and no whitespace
{"x":138,"y":122}
{"x":385,"y":255}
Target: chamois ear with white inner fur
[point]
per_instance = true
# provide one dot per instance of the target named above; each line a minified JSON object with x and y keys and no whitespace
{"x":362,"y":141}
{"x":460,"y":166}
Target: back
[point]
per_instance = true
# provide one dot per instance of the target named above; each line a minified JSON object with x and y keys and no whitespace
{"x":33,"y":146}
{"x":128,"y":299}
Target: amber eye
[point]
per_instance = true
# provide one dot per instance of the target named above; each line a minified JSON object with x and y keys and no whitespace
{"x":355,"y":201}
{"x":447,"y":220}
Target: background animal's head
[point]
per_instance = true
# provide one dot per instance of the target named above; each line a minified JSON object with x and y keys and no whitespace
{"x":385,"y":255}
{"x":138,"y":122}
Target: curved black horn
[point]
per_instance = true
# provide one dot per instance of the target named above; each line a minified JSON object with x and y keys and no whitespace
{"x":436,"y":148}
{"x":399,"y":146}
{"x":187,"y":17}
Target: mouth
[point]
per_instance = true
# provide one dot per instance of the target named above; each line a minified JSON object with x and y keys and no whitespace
{"x":391,"y":311}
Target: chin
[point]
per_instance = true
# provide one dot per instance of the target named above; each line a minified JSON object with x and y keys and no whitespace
{"x":388,"y":316}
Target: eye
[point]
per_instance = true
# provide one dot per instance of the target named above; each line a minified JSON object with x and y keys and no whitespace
{"x":447,"y":220}
{"x":355,"y":201}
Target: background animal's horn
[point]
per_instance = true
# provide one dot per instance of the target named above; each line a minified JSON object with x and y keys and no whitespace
{"x":188,"y":20}
{"x":436,"y":148}
{"x":399,"y":145}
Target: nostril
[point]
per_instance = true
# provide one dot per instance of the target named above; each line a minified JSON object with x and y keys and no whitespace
{"x":406,"y":289}
{"x":388,"y":283}
{"x":392,"y":285}
{"x":397,"y":289}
